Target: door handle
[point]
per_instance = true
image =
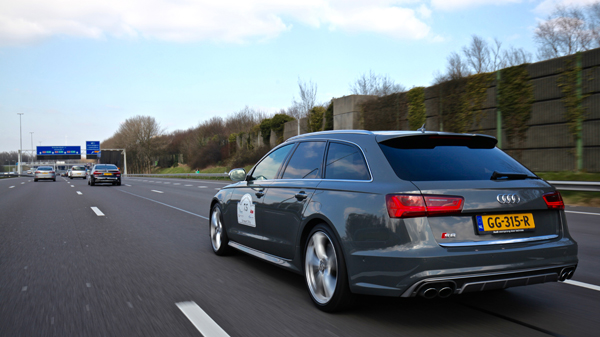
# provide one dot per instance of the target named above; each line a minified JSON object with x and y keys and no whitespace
{"x":301,"y":195}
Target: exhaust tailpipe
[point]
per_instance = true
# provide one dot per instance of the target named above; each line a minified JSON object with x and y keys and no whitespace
{"x":429,"y":292}
{"x":445,"y":292}
{"x":566,"y":273}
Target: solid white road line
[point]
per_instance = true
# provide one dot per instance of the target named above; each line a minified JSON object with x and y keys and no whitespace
{"x":97,"y":211}
{"x":582,"y":212}
{"x":162,"y":203}
{"x":201,"y":320}
{"x":581,"y":284}
{"x":157,"y":191}
{"x":78,"y":192}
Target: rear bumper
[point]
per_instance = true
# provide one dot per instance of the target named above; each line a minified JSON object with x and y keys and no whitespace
{"x":106,"y":179}
{"x":404,"y":272}
{"x":44,"y":176}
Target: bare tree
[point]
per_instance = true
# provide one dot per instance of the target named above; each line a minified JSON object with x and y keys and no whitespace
{"x":497,"y":60}
{"x":593,"y":12}
{"x":477,"y":55}
{"x":308,"y":99}
{"x":516,"y":56}
{"x":456,"y":67}
{"x":374,"y":84}
{"x":565,"y":32}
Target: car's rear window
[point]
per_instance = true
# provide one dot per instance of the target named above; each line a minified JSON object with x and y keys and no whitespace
{"x":441,"y":160}
{"x":106,"y":167}
{"x":44,"y":168}
{"x":78,"y":168}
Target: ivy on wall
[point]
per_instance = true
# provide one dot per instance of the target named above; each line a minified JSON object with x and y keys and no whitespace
{"x":515,"y":99}
{"x":315,"y":119}
{"x":570,"y":83}
{"x":453,"y":116}
{"x":416,"y":107}
{"x":474,"y":97}
{"x":385,"y":113}
{"x":329,"y":117}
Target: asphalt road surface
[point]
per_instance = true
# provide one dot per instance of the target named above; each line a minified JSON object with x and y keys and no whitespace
{"x":135,"y":260}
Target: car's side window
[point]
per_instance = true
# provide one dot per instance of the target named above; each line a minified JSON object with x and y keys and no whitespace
{"x":306,"y":161}
{"x":346,"y":162}
{"x":268,"y":167}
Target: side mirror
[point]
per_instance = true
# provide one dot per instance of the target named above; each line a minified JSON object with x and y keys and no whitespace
{"x":237,"y":174}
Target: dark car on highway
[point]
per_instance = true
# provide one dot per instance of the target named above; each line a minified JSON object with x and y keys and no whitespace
{"x":44,"y":173}
{"x":395,"y":213}
{"x":104,"y":173}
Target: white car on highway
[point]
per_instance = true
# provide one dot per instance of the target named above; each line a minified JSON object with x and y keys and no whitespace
{"x":77,"y":172}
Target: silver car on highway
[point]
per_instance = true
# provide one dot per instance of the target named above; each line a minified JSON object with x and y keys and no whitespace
{"x":395,"y":213}
{"x":44,"y":173}
{"x":77,"y":172}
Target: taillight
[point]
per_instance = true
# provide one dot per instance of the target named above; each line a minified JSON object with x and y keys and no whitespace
{"x":554,"y":200}
{"x":38,"y":171}
{"x":96,"y":173}
{"x":51,"y":171}
{"x":118,"y":174}
{"x":410,"y":206}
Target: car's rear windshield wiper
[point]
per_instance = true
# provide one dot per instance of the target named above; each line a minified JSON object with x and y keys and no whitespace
{"x":511,"y":176}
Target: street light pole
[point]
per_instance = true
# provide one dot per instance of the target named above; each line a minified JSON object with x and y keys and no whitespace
{"x":21,"y":142}
{"x":32,"y":156}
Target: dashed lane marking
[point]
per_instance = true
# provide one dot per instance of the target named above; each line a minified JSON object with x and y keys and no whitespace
{"x":218,"y":188}
{"x":127,"y":185}
{"x":202,"y":186}
{"x":162,"y":203}
{"x":589,"y":213}
{"x":176,"y":184}
{"x":22,"y":183}
{"x":583,"y":285}
{"x":12,"y":187}
{"x":97,"y":211}
{"x":72,"y":185}
{"x":78,"y":192}
{"x":189,"y":185}
{"x":157,"y":191}
{"x":201,"y":320}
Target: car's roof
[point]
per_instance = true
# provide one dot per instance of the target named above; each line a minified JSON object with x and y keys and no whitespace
{"x":380,"y":136}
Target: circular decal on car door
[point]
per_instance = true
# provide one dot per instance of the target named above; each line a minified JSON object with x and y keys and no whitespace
{"x":245,"y":211}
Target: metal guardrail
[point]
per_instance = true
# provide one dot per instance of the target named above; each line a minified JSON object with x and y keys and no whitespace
{"x":190,"y":175}
{"x":582,"y":186}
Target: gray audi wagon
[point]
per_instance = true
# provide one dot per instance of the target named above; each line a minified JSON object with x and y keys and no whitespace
{"x":395,"y":213}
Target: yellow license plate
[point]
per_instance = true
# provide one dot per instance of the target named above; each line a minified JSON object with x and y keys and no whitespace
{"x":505,"y":223}
{"x":108,"y":174}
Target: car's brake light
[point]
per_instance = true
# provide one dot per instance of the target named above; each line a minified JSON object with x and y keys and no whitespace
{"x":554,"y":200}
{"x":410,"y":206}
{"x":96,"y":173}
{"x":51,"y":171}
{"x":118,"y":174}
{"x":38,"y":171}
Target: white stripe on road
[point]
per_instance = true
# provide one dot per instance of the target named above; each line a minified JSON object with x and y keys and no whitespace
{"x":127,"y":185}
{"x":167,"y":182}
{"x":72,"y":186}
{"x":97,"y":211}
{"x":176,"y":184}
{"x":582,"y":212}
{"x":12,"y":187}
{"x":162,"y":203}
{"x":78,"y":192}
{"x":188,"y":185}
{"x":581,"y":284}
{"x":201,"y":320}
{"x":157,"y":191}
{"x":22,"y":183}
{"x":202,"y":186}
{"x":218,"y":188}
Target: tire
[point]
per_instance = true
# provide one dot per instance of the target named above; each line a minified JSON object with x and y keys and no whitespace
{"x":92,"y":182}
{"x":54,"y":179}
{"x":35,"y":180}
{"x":324,"y":264}
{"x":218,"y":234}
{"x":119,"y":183}
{"x":71,"y":178}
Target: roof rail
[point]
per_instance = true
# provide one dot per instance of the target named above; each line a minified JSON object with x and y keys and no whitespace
{"x":329,"y":132}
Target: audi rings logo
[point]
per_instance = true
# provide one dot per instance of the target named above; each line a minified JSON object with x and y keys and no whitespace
{"x":508,"y":198}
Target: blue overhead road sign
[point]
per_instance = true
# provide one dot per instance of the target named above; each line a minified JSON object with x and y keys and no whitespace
{"x":58,"y":152}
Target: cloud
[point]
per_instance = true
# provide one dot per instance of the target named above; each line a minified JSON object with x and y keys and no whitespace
{"x":450,"y":5}
{"x":25,"y":21}
{"x":546,"y":7}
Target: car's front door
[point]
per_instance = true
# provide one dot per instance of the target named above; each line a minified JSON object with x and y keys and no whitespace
{"x":288,"y":197}
{"x":245,"y":214}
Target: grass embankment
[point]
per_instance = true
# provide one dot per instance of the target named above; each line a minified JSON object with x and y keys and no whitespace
{"x":575,"y":198}
{"x":186,"y":169}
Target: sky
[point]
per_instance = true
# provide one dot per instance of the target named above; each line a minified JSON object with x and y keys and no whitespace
{"x":77,"y":69}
